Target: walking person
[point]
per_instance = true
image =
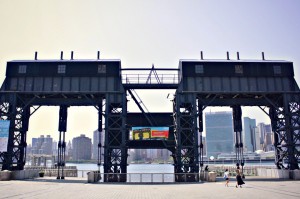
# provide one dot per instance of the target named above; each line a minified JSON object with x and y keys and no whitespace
{"x":226,"y":177}
{"x":239,"y":180}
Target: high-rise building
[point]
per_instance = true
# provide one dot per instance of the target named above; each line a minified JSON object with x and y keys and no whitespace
{"x":219,"y":133}
{"x":42,"y":145}
{"x":268,"y":141}
{"x":249,"y":134}
{"x":54,"y":148}
{"x":257,"y":139}
{"x":82,"y":148}
{"x":204,"y":146}
{"x":95,"y":144}
{"x":262,"y":131}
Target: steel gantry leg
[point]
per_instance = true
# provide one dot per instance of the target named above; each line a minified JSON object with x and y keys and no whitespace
{"x":116,"y":136}
{"x":99,"y":154}
{"x":62,"y":128}
{"x":285,"y":121}
{"x":17,"y":112}
{"x":237,"y":125}
{"x":186,"y":157}
{"x":200,"y":129}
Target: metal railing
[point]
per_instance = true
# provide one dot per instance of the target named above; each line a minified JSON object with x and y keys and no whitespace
{"x":155,"y":177}
{"x":146,"y":79}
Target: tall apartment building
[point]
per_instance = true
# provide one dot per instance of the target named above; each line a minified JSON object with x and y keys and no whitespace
{"x":82,"y":148}
{"x":249,"y":134}
{"x":95,"y":145}
{"x":262,"y":131}
{"x":269,"y":138}
{"x":42,"y":145}
{"x":219,"y":133}
{"x":266,"y":137}
{"x":258,"y":146}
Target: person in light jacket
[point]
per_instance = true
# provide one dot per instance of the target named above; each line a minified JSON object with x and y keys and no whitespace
{"x":226,"y":177}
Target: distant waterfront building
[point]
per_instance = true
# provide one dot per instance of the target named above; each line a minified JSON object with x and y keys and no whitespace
{"x":249,"y":134}
{"x":95,"y":145}
{"x":268,"y":139}
{"x":163,"y":155}
{"x":204,"y":146}
{"x":82,"y":148}
{"x":262,"y":132}
{"x":257,"y":139}
{"x":54,"y":148}
{"x":42,"y":145}
{"x":219,"y":133}
{"x":69,"y":151}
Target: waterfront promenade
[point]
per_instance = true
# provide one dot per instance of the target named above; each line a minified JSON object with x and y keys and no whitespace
{"x":74,"y":188}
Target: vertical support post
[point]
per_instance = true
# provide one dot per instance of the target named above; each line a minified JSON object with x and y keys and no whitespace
{"x":10,"y":115}
{"x":227,"y":55}
{"x":200,"y":126}
{"x":277,"y":145}
{"x":23,"y":143}
{"x":115,"y":150}
{"x":237,"y":124}
{"x":99,"y":135}
{"x":62,"y":128}
{"x":186,"y":137}
{"x":290,"y":131}
{"x":285,"y":125}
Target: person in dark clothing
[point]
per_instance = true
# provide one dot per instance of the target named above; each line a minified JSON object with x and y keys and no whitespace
{"x":239,"y":180}
{"x":206,"y":168}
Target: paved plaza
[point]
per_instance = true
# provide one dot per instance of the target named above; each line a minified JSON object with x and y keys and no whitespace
{"x":74,"y":188}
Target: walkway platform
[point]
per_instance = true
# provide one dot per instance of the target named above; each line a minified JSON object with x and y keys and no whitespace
{"x":74,"y":188}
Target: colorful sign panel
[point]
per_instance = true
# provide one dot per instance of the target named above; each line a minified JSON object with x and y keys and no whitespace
{"x":146,"y":133}
{"x":4,"y":131}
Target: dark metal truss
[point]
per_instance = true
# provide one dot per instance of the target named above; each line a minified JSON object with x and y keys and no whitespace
{"x":15,"y":157}
{"x":115,"y":149}
{"x":186,"y":136}
{"x":286,"y":127}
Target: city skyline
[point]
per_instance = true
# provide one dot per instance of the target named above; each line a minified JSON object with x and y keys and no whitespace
{"x":141,"y":34}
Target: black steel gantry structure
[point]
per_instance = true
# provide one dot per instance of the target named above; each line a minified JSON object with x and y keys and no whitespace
{"x":268,"y":84}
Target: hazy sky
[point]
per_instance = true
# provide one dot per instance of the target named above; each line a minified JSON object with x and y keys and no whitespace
{"x":141,"y":33}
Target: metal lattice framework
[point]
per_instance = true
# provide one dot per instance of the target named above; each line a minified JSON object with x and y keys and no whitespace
{"x":285,"y":125}
{"x":115,"y":150}
{"x":186,"y":137}
{"x":15,"y":157}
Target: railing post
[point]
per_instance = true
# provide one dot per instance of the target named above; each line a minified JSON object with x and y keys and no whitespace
{"x":151,"y":177}
{"x":141,"y":176}
{"x":129,"y":177}
{"x":163,"y":177}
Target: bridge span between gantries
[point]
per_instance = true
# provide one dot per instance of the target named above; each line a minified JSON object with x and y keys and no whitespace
{"x":102,"y":83}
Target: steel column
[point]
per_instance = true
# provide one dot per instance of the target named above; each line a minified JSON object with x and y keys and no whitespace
{"x":18,"y":113}
{"x":186,"y":156}
{"x":62,"y":128}
{"x":237,"y":125}
{"x":286,"y":127}
{"x":115,"y":150}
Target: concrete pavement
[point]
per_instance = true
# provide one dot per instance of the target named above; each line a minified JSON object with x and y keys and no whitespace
{"x":75,"y":188}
